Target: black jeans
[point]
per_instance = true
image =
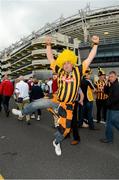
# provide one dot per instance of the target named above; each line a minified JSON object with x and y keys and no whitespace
{"x":101,"y":110}
{"x":87,"y":111}
{"x":74,"y":123}
{"x":0,"y":102}
{"x":6,"y":100}
{"x":80,"y":115}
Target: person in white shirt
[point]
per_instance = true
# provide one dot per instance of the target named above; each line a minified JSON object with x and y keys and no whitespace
{"x":22,"y":94}
{"x":49,"y":83}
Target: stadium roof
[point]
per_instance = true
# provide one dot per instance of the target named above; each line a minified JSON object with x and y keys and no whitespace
{"x":103,"y":22}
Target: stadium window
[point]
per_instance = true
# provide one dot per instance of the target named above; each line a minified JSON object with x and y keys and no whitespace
{"x":70,"y":40}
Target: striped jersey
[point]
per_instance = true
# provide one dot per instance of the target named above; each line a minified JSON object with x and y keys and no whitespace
{"x":99,"y":85}
{"x":87,"y":88}
{"x":68,"y":83}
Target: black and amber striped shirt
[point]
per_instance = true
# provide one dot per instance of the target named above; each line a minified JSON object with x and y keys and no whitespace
{"x":87,"y":88}
{"x":68,"y":83}
{"x":99,"y":85}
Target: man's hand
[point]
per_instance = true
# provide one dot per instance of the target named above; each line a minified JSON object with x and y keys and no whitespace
{"x":81,"y":102}
{"x":48,"y":40}
{"x":107,"y":83}
{"x":95,"y":40}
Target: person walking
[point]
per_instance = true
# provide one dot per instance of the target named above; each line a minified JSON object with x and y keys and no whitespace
{"x":7,"y":90}
{"x":74,"y":124}
{"x":36,"y":93}
{"x":22,"y":94}
{"x":88,"y":89}
{"x":0,"y":97}
{"x":112,"y":103}
{"x":101,"y":96}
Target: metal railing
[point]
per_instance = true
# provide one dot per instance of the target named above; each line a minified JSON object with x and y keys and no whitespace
{"x":48,"y":28}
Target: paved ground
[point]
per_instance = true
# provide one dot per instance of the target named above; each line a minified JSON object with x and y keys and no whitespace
{"x":26,"y":152}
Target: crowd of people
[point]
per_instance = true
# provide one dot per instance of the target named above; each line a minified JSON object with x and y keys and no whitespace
{"x":69,"y":95}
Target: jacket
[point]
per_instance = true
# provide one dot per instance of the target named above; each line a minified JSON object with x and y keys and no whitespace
{"x":7,"y":88}
{"x":112,"y":101}
{"x":36,"y":92}
{"x":0,"y":89}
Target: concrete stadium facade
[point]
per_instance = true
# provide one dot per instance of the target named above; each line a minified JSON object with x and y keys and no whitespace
{"x":31,"y":58}
{"x":28,"y":54}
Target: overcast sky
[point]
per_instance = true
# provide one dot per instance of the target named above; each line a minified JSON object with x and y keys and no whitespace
{"x":18,"y":18}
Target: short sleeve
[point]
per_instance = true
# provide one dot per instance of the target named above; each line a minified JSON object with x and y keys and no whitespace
{"x":91,"y":84}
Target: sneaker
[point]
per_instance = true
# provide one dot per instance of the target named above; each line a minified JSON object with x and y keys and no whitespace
{"x":33,"y":116}
{"x":85,"y":125}
{"x":20,"y":118}
{"x":105,"y":141}
{"x":38,"y":118}
{"x":17,"y":112}
{"x":57,"y":148}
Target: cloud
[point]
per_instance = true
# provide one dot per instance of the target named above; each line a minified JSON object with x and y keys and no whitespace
{"x":18,"y":18}
{"x":12,"y":25}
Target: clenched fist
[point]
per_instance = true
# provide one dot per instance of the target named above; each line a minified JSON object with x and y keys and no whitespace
{"x":95,"y":40}
{"x":48,"y":40}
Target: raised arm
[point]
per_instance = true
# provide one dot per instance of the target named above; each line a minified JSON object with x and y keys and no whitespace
{"x":49,"y":49}
{"x":92,"y":54}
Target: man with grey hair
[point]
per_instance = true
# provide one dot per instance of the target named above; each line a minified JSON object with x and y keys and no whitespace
{"x":22,"y":94}
{"x":112,"y":102}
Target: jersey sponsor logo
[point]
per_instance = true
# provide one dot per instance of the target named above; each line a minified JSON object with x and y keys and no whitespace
{"x":67,"y":80}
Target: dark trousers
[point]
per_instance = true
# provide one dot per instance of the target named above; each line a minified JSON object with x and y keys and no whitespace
{"x":87,"y":111}
{"x":74,"y":123}
{"x":0,"y":102}
{"x":112,"y":121}
{"x":101,"y":110}
{"x":5,"y":102}
{"x":39,"y":112}
{"x":81,"y":116}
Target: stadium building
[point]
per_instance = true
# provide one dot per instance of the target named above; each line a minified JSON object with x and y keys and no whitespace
{"x":28,"y":55}
{"x":31,"y":58}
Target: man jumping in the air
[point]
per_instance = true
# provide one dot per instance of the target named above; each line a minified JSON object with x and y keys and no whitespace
{"x":69,"y":74}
